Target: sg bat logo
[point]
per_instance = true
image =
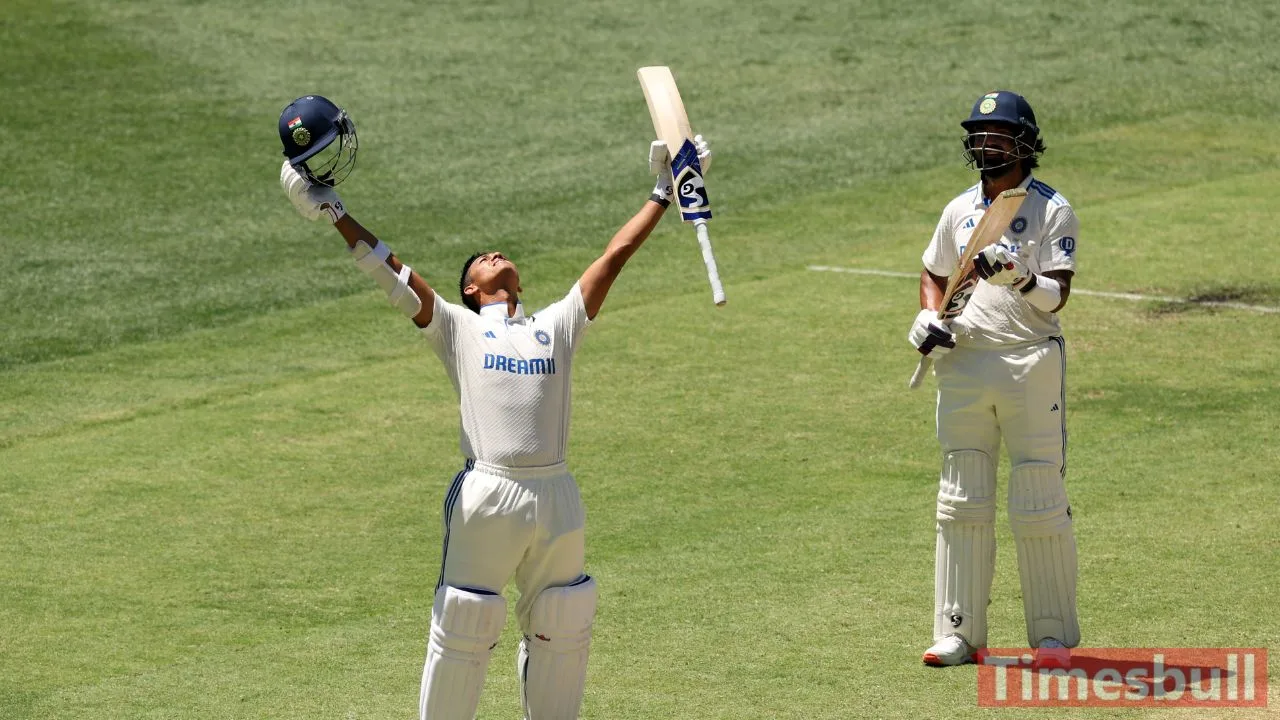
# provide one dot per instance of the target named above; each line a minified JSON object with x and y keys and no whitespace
{"x":689,"y":186}
{"x":960,"y":298}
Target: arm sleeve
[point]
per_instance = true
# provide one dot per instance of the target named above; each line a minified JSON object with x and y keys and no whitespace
{"x":442,"y":330}
{"x":940,"y":257}
{"x":569,"y":315}
{"x":1058,"y":249}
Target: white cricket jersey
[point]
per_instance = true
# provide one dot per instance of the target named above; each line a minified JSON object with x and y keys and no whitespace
{"x":512,"y":377}
{"x":1043,"y":233}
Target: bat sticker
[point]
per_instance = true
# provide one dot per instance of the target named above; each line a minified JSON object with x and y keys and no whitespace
{"x":689,"y":187}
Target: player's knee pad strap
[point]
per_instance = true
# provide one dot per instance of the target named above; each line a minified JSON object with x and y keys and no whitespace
{"x":465,"y":621}
{"x":373,"y":261}
{"x":967,"y":489}
{"x":1038,"y":501}
{"x":553,"y":656}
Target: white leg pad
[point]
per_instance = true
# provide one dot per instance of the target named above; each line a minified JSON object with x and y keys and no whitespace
{"x":1040,"y":519}
{"x":553,"y":657}
{"x":465,"y":626}
{"x":966,"y":549}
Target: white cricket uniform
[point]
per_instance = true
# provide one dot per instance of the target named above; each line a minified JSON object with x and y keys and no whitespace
{"x":1006,"y":370}
{"x":1005,"y":380}
{"x":514,"y":508}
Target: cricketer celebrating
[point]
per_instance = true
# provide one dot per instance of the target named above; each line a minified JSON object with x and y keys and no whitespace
{"x":1000,"y":368}
{"x":514,"y":509}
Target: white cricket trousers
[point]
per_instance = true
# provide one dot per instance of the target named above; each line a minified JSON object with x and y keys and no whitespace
{"x":1016,"y":393}
{"x":500,"y":522}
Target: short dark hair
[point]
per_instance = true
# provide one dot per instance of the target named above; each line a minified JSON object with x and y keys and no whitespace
{"x":468,"y":300}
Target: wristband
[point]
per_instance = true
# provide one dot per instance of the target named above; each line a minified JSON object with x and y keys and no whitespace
{"x":1042,"y":293}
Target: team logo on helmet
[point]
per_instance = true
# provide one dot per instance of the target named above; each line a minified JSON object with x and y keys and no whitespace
{"x":302,"y":136}
{"x":542,"y":337}
{"x":987,"y":106}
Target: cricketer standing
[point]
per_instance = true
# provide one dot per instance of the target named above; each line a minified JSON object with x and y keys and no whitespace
{"x":514,"y":509}
{"x":1001,"y":367}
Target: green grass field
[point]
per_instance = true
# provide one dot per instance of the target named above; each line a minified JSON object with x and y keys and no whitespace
{"x":223,"y":456}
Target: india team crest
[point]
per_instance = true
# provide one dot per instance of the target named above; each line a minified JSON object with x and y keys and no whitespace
{"x":542,"y":337}
{"x":302,"y":136}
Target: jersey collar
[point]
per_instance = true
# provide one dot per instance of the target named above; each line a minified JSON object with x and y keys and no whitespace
{"x":980,"y":202}
{"x":498,"y":310}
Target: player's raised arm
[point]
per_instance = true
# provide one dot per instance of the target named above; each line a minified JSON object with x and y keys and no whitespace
{"x":599,"y":277}
{"x":405,"y":289}
{"x":320,"y":145}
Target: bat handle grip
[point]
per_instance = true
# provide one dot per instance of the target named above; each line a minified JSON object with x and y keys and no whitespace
{"x":918,"y":376}
{"x":709,"y":258}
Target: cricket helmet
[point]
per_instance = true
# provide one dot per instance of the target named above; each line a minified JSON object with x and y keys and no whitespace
{"x":319,"y":139}
{"x":1007,"y":109}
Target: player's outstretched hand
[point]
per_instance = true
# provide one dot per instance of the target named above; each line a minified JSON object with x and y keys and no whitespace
{"x":999,"y":265}
{"x":660,"y":165}
{"x":930,"y":336}
{"x":311,"y":201}
{"x":704,"y":153}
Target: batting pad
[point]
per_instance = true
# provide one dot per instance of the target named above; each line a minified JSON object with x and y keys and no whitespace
{"x":465,"y":626}
{"x":553,"y":657}
{"x":1040,"y":519}
{"x":966,"y":551}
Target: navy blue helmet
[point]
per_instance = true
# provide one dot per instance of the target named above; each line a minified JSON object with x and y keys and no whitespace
{"x":1019,"y":140}
{"x":319,"y":139}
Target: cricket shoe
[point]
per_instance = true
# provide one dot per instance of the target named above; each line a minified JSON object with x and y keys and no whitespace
{"x":950,"y":650}
{"x":1051,"y":654}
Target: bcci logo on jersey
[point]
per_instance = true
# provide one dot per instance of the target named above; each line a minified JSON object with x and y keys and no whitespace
{"x":519,"y":366}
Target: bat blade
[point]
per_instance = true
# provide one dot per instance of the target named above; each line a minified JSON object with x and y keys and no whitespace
{"x":964,"y":281}
{"x":666,"y":109}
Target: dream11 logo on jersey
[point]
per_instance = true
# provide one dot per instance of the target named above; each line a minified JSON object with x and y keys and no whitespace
{"x":1125,"y":677}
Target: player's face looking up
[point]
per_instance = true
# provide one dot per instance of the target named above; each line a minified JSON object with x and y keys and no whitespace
{"x":493,"y":271}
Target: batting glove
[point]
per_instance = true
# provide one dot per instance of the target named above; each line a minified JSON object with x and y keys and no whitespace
{"x":704,"y":153}
{"x":1000,"y":265}
{"x":311,"y":201}
{"x":930,"y":336}
{"x":660,"y":165}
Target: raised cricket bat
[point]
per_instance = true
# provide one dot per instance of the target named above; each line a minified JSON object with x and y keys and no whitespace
{"x":962,"y":282}
{"x":671,"y":125}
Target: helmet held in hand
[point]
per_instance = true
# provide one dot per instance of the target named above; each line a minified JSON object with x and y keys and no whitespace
{"x":319,"y":139}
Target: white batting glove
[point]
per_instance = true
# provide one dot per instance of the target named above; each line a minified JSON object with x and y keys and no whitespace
{"x":660,"y":165}
{"x":704,"y":153}
{"x":311,"y":201}
{"x":1000,"y":265}
{"x":930,"y":336}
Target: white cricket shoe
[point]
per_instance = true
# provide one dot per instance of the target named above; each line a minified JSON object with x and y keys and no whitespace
{"x":1051,"y":654}
{"x":950,"y":650}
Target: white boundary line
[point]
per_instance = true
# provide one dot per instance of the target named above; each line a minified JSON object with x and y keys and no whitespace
{"x":1093,"y":293}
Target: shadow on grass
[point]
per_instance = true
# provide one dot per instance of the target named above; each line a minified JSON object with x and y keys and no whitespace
{"x":1216,"y":298}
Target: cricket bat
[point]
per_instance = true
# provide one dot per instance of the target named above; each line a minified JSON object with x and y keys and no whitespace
{"x":671,"y":125}
{"x":962,"y":282}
